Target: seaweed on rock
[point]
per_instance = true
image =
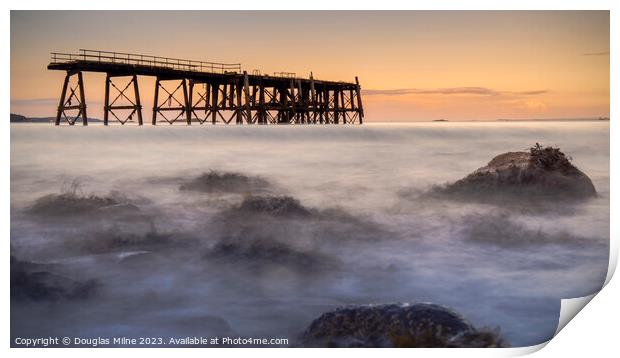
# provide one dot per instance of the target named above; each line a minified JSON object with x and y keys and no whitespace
{"x":541,"y":175}
{"x":397,"y":325}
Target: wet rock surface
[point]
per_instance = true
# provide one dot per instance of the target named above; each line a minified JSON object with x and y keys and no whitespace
{"x":543,"y":173}
{"x":396,"y":325}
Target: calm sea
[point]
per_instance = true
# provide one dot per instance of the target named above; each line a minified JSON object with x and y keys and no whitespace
{"x":384,"y":244}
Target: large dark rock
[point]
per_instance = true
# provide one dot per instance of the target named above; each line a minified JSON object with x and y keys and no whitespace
{"x":396,"y":325}
{"x":542,"y":173}
{"x":35,"y":282}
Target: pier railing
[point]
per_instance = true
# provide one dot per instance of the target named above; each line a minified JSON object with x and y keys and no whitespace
{"x":285,"y":74}
{"x":145,"y":60}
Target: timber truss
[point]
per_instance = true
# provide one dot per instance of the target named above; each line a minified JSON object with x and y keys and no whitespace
{"x":74,"y":101}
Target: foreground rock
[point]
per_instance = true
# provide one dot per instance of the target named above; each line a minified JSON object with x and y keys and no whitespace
{"x":541,"y":173}
{"x":34,"y":282}
{"x":396,"y":325}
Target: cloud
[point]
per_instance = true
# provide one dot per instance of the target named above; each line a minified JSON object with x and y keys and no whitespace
{"x":531,"y":93}
{"x":479,"y":91}
{"x":533,"y":105}
{"x":603,"y":53}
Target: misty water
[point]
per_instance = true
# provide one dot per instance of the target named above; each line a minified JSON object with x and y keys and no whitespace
{"x":371,"y":237}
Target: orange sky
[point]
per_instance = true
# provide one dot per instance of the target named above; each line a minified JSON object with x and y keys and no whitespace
{"x":413,"y":65}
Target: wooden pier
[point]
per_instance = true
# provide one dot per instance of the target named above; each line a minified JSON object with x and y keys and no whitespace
{"x":203,"y":92}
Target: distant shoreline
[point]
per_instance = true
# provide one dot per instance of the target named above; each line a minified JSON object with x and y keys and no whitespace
{"x":17,"y":118}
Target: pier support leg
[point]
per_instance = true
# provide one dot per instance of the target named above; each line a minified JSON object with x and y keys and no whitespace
{"x":301,"y":102}
{"x":246,"y":91}
{"x":360,"y":109}
{"x":326,"y":115}
{"x":63,"y":95}
{"x":336,"y":109}
{"x":110,"y":106}
{"x":188,"y":110}
{"x":106,"y":100}
{"x":171,"y":102}
{"x":313,"y":99}
{"x":66,"y":103}
{"x":293,"y":102}
{"x":282,"y":116}
{"x":201,"y":105}
{"x":155,"y":101}
{"x":262,"y":119}
{"x":214,"y":102}
{"x":231,"y":94}
{"x":137,"y":96}
{"x":343,"y":107}
{"x":239,"y":107}
{"x":82,"y":99}
{"x":207,"y":100}
{"x":190,"y":100}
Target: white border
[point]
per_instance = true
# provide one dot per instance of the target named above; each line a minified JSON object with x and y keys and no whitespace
{"x":593,"y":331}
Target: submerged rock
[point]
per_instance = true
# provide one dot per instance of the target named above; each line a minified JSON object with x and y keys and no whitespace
{"x":396,"y":325}
{"x":280,"y":206}
{"x":113,"y":241}
{"x":541,"y":173}
{"x":266,"y":251}
{"x":227,"y":182}
{"x":34,"y":282}
{"x":284,"y":218}
{"x":499,"y":229}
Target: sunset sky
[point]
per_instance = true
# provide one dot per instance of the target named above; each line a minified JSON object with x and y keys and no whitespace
{"x":412,"y":65}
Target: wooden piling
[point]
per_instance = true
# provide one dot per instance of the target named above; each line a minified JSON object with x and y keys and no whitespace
{"x":106,"y":101}
{"x":336,"y":109}
{"x":360,"y":109}
{"x":191,"y":99}
{"x":82,"y":99}
{"x":137,"y":95}
{"x":262,"y":119}
{"x":63,"y":96}
{"x":155,"y":102}
{"x":313,"y":99}
{"x":246,"y":90}
{"x":214,"y":102}
{"x":187,"y":107}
